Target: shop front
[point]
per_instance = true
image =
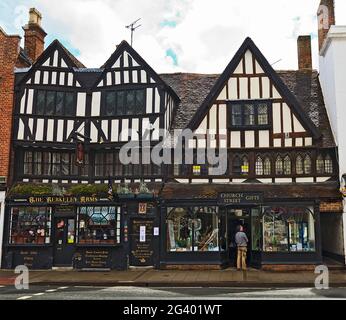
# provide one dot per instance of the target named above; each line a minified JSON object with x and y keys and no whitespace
{"x":48,"y":232}
{"x":82,"y":232}
{"x":200,"y":227}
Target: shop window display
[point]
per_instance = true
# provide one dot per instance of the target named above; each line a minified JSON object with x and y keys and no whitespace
{"x":205,"y":227}
{"x":30,"y":225}
{"x":178,"y":233}
{"x":288,"y":229}
{"x":99,"y":225}
{"x":192,"y":229}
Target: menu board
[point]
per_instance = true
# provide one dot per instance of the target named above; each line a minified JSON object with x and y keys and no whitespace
{"x":29,"y":257}
{"x":96,"y":258}
{"x":141,"y":242}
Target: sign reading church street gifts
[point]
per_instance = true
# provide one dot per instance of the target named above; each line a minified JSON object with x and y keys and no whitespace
{"x":229,"y":198}
{"x":62,"y":200}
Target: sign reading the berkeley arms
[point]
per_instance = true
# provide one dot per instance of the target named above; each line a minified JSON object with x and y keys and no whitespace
{"x":62,"y":200}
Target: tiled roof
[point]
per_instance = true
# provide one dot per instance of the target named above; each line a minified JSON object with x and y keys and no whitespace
{"x":193,"y":89}
{"x":23,"y":55}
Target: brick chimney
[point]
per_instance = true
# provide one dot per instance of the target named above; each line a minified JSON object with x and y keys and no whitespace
{"x":34,"y":35}
{"x":304,"y":53}
{"x":325,"y":18}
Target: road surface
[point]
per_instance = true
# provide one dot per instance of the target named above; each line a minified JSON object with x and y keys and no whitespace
{"x":37,"y":292}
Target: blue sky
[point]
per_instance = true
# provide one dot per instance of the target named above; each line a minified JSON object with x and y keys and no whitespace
{"x":176,"y":35}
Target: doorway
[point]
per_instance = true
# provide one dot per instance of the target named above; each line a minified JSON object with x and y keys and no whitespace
{"x":141,"y":242}
{"x":64,"y":240}
{"x":238,"y":217}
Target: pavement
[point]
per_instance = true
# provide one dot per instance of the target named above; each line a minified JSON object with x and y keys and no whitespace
{"x":176,"y":278}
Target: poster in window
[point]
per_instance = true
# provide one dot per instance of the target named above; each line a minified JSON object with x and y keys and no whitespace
{"x":142,"y":234}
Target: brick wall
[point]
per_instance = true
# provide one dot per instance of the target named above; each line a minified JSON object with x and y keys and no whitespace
{"x":331,"y":206}
{"x":9,"y":50}
{"x":329,"y":15}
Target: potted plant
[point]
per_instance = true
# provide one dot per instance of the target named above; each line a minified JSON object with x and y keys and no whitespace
{"x":124,"y":192}
{"x":144,"y":192}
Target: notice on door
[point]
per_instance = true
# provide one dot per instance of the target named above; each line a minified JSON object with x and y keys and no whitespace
{"x":141,"y":242}
{"x":142,"y":234}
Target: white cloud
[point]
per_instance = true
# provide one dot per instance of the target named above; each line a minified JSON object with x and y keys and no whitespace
{"x":206,"y":36}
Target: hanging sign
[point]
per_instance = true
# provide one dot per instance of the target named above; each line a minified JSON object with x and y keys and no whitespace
{"x":142,"y":208}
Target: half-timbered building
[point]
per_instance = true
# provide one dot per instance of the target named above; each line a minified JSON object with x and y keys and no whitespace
{"x":281,"y":173}
{"x":75,"y":203}
{"x":69,"y":125}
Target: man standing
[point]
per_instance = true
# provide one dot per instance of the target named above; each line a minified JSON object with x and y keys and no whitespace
{"x":241,"y":241}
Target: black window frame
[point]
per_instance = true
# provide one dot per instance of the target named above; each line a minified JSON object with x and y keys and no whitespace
{"x":120,"y":170}
{"x":243,"y":126}
{"x":138,"y":110}
{"x":84,"y":235}
{"x":54,"y":112}
{"x":29,"y":224}
{"x":41,"y":166}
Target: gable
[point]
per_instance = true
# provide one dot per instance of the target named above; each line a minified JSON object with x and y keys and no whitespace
{"x":125,"y":70}
{"x":126,"y":66}
{"x":250,"y":77}
{"x":54,"y":67}
{"x":55,"y":60}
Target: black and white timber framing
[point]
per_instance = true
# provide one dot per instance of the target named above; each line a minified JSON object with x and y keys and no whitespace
{"x":287,"y":130}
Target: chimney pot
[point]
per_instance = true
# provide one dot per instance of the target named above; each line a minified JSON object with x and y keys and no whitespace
{"x":34,"y":35}
{"x":304,"y":53}
{"x":35,"y":17}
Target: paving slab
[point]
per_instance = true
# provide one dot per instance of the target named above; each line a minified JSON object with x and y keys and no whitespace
{"x":150,"y":277}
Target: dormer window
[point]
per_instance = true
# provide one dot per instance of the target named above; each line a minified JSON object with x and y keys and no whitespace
{"x":249,"y":114}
